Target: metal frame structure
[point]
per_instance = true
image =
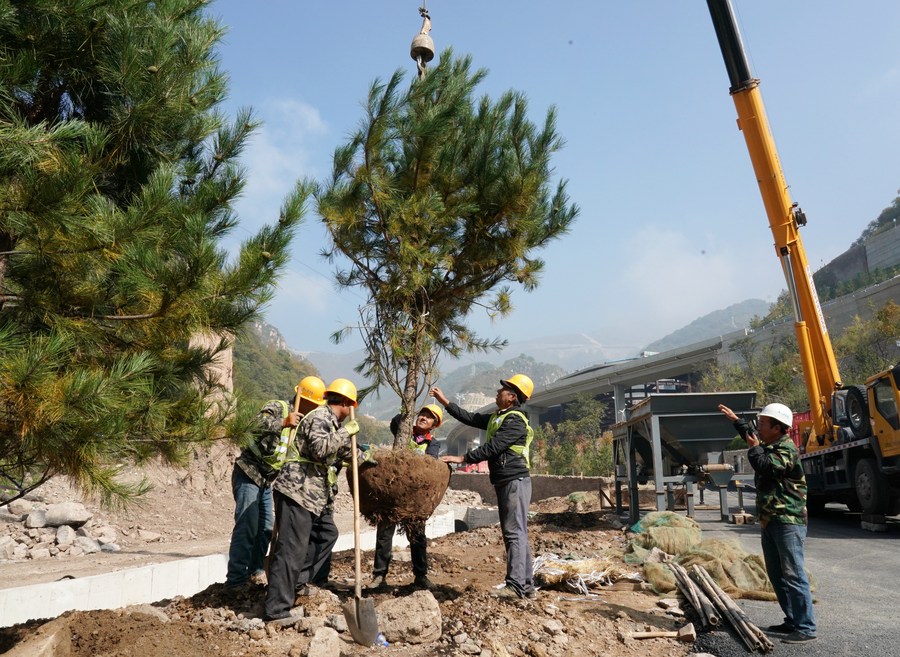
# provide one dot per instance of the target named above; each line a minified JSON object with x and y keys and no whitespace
{"x":675,"y":437}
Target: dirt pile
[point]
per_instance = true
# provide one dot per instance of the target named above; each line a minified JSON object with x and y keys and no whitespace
{"x":465,"y":567}
{"x":188,"y":514}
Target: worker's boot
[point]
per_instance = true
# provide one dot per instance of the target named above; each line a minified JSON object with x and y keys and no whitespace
{"x":422,"y":582}
{"x":378,"y":582}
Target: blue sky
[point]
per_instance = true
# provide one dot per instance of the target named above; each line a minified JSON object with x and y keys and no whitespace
{"x":671,"y":224}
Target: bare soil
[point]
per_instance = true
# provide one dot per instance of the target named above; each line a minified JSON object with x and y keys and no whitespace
{"x":196,"y":519}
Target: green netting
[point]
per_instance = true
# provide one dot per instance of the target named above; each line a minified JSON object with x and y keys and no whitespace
{"x":670,"y":532}
{"x":739,"y":573}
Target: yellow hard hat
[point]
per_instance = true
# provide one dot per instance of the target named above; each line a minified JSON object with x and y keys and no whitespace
{"x":436,"y":411}
{"x":521,"y":384}
{"x":311,"y":388}
{"x":344,"y":388}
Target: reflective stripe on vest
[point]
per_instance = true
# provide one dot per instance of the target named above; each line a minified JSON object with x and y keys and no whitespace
{"x":522,"y":450}
{"x":276,"y":459}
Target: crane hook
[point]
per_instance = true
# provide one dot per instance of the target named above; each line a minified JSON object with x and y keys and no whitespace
{"x":422,"y":48}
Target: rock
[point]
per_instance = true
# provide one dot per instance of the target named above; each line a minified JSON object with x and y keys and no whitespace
{"x":536,"y":650}
{"x":667,"y":603}
{"x":148,"y":536}
{"x":148,"y":610}
{"x":36,"y":518}
{"x":67,"y":513}
{"x":337,"y":622}
{"x":311,"y":624}
{"x":470,"y":648}
{"x":325,"y":643}
{"x":65,"y":535}
{"x":257,"y":633}
{"x":39,"y":553}
{"x":20,"y":507}
{"x":8,"y":551}
{"x":414,"y":618}
{"x":553,"y":627}
{"x":109,"y":547}
{"x":87,"y":545}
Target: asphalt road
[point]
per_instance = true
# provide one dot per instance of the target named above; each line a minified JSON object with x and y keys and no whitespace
{"x":857,"y":575}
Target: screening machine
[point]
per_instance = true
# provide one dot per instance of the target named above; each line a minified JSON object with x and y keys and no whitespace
{"x":677,"y":440}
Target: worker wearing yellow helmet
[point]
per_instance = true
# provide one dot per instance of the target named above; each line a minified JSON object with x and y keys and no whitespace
{"x":255,"y":470}
{"x":422,"y":441}
{"x":304,"y":491}
{"x":508,"y":437}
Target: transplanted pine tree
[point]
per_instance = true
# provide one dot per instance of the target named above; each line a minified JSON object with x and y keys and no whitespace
{"x":117,"y":179}
{"x":438,"y":203}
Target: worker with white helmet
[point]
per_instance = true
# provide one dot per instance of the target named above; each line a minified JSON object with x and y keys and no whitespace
{"x":422,"y":441}
{"x":781,"y":507}
{"x":508,"y":437}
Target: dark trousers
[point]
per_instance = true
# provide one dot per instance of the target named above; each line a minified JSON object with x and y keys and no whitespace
{"x":322,"y":537}
{"x":289,"y":552}
{"x":384,"y":540}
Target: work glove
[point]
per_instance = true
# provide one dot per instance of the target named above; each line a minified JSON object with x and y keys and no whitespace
{"x":367,"y":457}
{"x":352,"y":427}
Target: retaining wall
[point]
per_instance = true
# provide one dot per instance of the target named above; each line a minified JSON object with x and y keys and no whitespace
{"x":542,"y":486}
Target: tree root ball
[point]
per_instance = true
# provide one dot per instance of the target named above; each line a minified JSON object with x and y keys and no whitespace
{"x":403,"y":489}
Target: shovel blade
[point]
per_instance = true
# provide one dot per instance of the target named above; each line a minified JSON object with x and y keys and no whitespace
{"x":362,"y":620}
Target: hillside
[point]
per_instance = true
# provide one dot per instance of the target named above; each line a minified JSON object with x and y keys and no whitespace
{"x":718,"y":322}
{"x":263,"y":367}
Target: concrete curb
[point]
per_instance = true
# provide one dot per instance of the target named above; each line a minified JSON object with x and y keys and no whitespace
{"x":149,"y":584}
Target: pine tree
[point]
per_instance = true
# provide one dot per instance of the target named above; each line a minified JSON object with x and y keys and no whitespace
{"x":117,"y":178}
{"x":438,"y":202}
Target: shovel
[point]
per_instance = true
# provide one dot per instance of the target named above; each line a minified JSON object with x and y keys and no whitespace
{"x":358,"y":612}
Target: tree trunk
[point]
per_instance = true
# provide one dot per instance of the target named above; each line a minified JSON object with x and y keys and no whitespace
{"x":6,"y":245}
{"x":407,"y":404}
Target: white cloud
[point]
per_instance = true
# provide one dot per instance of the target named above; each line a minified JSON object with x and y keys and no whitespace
{"x":281,"y":151}
{"x":673,"y":278}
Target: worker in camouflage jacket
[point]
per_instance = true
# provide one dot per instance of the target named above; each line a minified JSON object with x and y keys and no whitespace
{"x":781,"y":507}
{"x":251,"y":480}
{"x":304,"y":489}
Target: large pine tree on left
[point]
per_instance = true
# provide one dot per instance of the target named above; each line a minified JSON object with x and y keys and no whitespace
{"x":117,"y":179}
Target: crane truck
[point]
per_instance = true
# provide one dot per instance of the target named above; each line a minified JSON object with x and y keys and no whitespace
{"x":850,"y":445}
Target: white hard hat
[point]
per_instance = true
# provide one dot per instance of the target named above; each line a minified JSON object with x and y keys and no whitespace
{"x":779,"y":413}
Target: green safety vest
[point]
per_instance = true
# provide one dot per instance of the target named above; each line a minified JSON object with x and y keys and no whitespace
{"x":522,"y":450}
{"x":294,"y":457}
{"x":417,"y":447}
{"x":277,"y":457}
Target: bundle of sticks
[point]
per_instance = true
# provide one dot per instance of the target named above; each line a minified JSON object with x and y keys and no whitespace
{"x":713,"y":604}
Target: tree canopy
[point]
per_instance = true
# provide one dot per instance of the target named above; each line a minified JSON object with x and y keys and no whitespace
{"x":118,"y":175}
{"x":438,"y":202}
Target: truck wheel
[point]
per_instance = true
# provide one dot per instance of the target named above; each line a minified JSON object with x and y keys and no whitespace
{"x":858,"y":411}
{"x":871,"y":488}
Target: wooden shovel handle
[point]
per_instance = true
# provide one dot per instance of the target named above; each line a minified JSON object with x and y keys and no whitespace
{"x":652,"y":635}
{"x":354,"y":464}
